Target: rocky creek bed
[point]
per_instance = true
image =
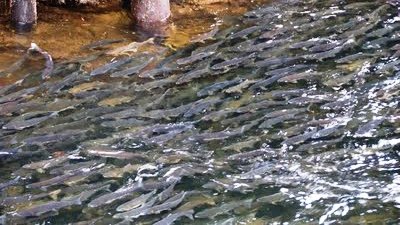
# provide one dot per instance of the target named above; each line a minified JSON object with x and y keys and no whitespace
{"x":291,"y":116}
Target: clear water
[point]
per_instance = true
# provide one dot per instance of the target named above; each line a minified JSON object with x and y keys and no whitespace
{"x":289,"y":115}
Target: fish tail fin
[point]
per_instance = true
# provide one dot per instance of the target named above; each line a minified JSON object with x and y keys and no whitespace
{"x":76,"y":200}
{"x":55,"y":113}
{"x":150,"y":40}
{"x":189,"y":214}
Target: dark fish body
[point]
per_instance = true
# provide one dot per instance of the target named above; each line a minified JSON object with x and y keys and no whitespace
{"x":171,"y":218}
{"x":389,"y":66}
{"x":243,"y":33}
{"x":272,"y":199}
{"x":136,"y":202}
{"x":58,"y":180}
{"x":128,"y":72}
{"x":51,"y":138}
{"x":123,"y":123}
{"x":327,"y":132}
{"x":167,"y":205}
{"x":15,"y":154}
{"x":211,"y":213}
{"x":331,"y":53}
{"x":162,"y":83}
{"x":206,"y":36}
{"x":101,"y":43}
{"x":296,"y":140}
{"x":302,"y":101}
{"x":323,"y":47}
{"x":307,"y":44}
{"x":110,"y":67}
{"x":201,"y":106}
{"x":275,"y":61}
{"x":235,"y":62}
{"x":124,"y":114}
{"x":253,"y":107}
{"x":258,"y":172}
{"x":8,"y":201}
{"x":93,"y":113}
{"x":263,"y":84}
{"x":208,"y":48}
{"x":318,"y":146}
{"x":70,"y":167}
{"x":194,"y":74}
{"x":163,"y":138}
{"x":217,"y":115}
{"x":194,"y":58}
{"x":157,"y":102}
{"x":240,"y":87}
{"x":368,"y":129}
{"x":240,"y":146}
{"x":354,"y":57}
{"x":263,"y":46}
{"x":157,"y":72}
{"x":137,"y":212}
{"x":210,"y":90}
{"x":24,"y":93}
{"x":60,"y":127}
{"x":287,"y":94}
{"x":68,"y":81}
{"x":114,"y":153}
{"x":307,"y":76}
{"x":46,"y":164}
{"x":285,"y":112}
{"x":380,"y":42}
{"x":383,"y":31}
{"x":287,"y":70}
{"x":113,"y":196}
{"x":167,"y":113}
{"x":269,"y":123}
{"x":28,"y":120}
{"x":221,"y":135}
{"x":55,"y":206}
{"x":165,"y":128}
{"x":9,"y":183}
{"x":261,"y":12}
{"x":269,"y":153}
{"x":48,"y":207}
{"x":132,"y":70}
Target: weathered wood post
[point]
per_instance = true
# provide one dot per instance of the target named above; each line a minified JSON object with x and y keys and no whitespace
{"x":23,"y":14}
{"x":150,"y":14}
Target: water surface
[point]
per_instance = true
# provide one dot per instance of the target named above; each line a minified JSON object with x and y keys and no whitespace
{"x":290,"y":115}
{"x":64,"y":32}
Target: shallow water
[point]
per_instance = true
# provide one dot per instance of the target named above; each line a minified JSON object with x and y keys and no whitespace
{"x":289,"y":116}
{"x":64,"y":32}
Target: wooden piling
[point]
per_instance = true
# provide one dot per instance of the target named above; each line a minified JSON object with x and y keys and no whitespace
{"x":150,"y":14}
{"x":23,"y":15}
